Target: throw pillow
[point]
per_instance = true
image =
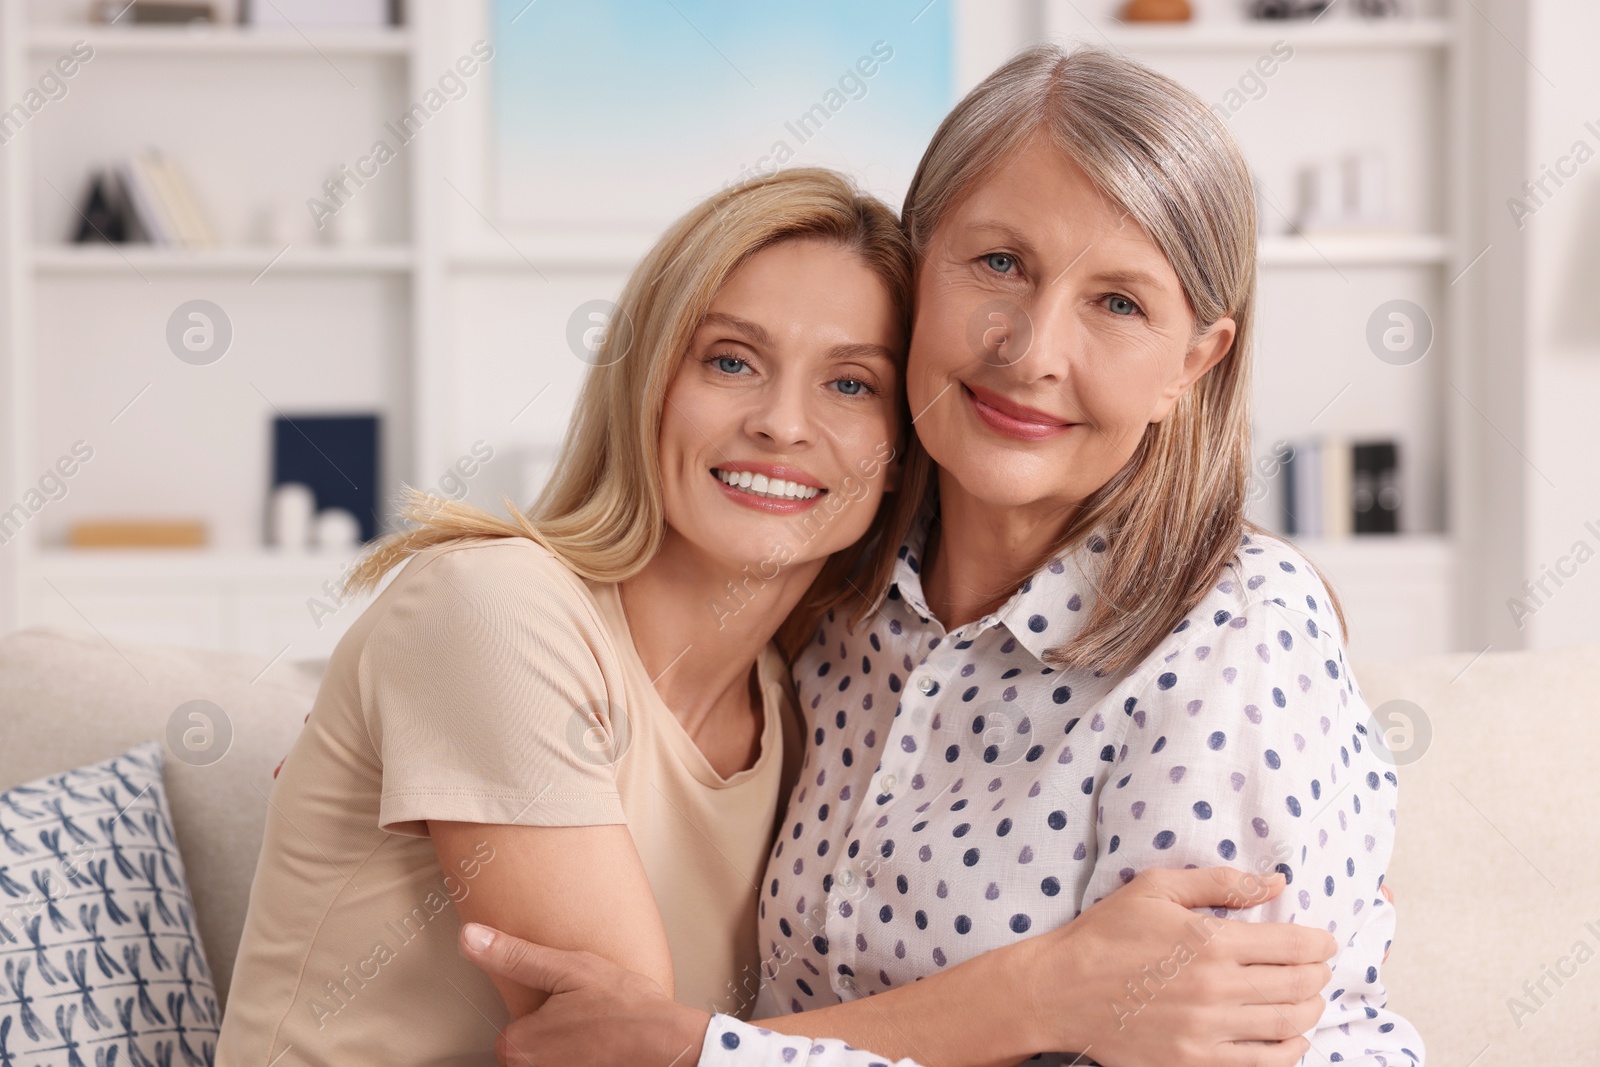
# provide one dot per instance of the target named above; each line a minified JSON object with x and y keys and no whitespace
{"x":100,"y":958}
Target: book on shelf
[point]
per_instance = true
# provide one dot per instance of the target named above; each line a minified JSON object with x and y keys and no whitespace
{"x":335,"y":457}
{"x":1376,"y":487}
{"x":155,"y":202}
{"x":138,"y":533}
{"x":1333,"y":488}
{"x":152,"y":12}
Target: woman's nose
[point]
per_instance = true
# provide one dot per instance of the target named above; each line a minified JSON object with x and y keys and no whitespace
{"x":1043,"y":337}
{"x":1000,"y":332}
{"x":782,"y":415}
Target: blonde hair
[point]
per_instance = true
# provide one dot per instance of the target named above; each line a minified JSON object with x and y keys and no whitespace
{"x":602,"y":513}
{"x":1175,"y":511}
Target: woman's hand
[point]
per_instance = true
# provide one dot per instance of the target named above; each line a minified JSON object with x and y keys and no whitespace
{"x":597,"y":1014}
{"x":1138,"y":979}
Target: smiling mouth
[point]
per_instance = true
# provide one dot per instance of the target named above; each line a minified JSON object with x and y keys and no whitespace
{"x":759,"y":485}
{"x":1011,"y":419}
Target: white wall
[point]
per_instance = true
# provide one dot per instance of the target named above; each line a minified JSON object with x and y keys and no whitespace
{"x":1562,"y":249}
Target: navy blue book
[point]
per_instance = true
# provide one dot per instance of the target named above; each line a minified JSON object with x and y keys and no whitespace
{"x":336,"y":456}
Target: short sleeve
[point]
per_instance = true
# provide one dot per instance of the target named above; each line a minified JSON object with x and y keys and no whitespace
{"x":490,"y":693}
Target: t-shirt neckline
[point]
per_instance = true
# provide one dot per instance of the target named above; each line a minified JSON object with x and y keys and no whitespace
{"x":672,"y":730}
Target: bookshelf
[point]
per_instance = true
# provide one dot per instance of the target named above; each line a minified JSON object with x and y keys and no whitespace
{"x":453,"y":329}
{"x":319,"y":327}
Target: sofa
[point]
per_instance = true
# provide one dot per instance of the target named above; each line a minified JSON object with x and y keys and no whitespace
{"x":1496,"y":875}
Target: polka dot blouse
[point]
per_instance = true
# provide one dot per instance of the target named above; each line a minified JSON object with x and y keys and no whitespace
{"x":958,"y":794}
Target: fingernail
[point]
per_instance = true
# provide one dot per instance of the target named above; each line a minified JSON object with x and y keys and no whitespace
{"x":478,"y":938}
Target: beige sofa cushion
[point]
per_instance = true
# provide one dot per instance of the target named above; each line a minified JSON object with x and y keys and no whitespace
{"x":68,"y":700}
{"x":1496,"y":870}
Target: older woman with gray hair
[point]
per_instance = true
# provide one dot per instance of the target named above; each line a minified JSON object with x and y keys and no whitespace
{"x":1085,"y":670}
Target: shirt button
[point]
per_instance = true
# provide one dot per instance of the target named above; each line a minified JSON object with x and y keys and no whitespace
{"x":847,"y":877}
{"x":926,"y":683}
{"x":888,"y":782}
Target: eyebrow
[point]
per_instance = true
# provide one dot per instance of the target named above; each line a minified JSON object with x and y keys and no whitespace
{"x":1126,"y":277}
{"x":758,"y":334}
{"x":1005,"y":230}
{"x":754,"y":330}
{"x":860,"y":350}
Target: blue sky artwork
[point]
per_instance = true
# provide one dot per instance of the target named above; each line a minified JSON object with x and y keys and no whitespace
{"x":622,"y":113}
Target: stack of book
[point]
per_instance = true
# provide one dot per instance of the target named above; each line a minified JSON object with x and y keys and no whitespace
{"x":1334,"y":488}
{"x":144,"y":198}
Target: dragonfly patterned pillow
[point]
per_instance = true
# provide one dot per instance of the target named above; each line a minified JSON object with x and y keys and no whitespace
{"x":101,"y":959}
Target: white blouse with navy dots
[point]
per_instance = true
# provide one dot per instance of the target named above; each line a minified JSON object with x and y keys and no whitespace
{"x":958,"y":794}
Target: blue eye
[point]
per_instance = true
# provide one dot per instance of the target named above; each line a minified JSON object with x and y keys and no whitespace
{"x":1121,"y":305}
{"x":1000,"y":262}
{"x":729,"y":364}
{"x":851,"y":386}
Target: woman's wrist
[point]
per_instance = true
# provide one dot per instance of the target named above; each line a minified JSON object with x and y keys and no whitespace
{"x":1008,"y":978}
{"x":1049,"y":998}
{"x":685,"y":1035}
{"x":1016,"y":974}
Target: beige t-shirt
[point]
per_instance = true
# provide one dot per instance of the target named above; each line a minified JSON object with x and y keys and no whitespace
{"x":488,"y":684}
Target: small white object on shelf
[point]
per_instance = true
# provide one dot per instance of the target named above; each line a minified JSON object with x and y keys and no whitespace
{"x":269,"y":225}
{"x":336,"y":528}
{"x":350,"y":223}
{"x":291,"y":508}
{"x":1344,"y":193}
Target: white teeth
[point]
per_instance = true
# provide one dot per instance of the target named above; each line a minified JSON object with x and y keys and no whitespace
{"x":761,"y":485}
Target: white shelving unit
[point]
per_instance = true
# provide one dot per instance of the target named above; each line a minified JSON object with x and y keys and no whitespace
{"x":453,"y":328}
{"x":375,"y":298}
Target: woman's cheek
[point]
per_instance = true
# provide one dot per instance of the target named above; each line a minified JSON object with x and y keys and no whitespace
{"x":938,"y":337}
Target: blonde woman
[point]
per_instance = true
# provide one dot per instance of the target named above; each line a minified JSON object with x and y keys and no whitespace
{"x":542,"y":722}
{"x":1084,"y":667}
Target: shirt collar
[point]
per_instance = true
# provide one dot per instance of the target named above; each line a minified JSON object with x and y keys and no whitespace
{"x":1048,"y":610}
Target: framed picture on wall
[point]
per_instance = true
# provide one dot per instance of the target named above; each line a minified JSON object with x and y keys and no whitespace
{"x":616,"y":116}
